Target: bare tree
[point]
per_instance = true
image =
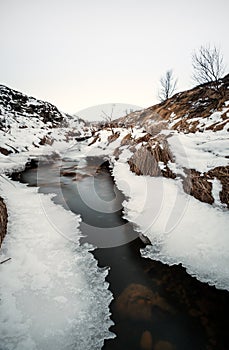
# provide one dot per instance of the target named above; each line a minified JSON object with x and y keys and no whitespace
{"x":208,"y":65}
{"x":168,"y":85}
{"x":108,"y":117}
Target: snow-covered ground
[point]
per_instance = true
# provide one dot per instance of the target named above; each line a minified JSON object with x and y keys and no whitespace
{"x":25,"y":143}
{"x":180,"y":228}
{"x":20,"y":139}
{"x":53,"y":295}
{"x":200,"y":151}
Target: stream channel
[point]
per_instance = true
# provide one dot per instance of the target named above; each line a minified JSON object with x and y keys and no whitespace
{"x":155,"y":306}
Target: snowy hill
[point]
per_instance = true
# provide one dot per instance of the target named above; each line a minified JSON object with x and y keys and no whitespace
{"x":28,"y":124}
{"x":17,"y":105}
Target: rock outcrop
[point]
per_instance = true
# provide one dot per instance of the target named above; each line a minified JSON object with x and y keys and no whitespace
{"x":26,"y":121}
{"x":18,"y":105}
{"x":3,"y":220}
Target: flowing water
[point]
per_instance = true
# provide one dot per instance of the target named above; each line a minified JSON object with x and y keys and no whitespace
{"x":155,"y":306}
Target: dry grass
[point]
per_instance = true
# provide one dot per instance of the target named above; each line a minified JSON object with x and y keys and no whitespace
{"x":113,"y":137}
{"x":126,"y":140}
{"x":199,"y":102}
{"x":96,"y":138}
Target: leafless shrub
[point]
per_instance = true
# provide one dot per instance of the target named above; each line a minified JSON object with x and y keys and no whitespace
{"x":208,"y":65}
{"x":168,"y":85}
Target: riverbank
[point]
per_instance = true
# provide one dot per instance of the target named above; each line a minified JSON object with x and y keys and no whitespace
{"x":52,"y":295}
{"x":173,"y":308}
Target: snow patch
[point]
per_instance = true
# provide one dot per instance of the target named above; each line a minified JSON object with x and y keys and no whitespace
{"x":216,"y":189}
{"x":200,"y":151}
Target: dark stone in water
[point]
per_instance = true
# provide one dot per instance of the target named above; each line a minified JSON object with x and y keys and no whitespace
{"x":137,"y":302}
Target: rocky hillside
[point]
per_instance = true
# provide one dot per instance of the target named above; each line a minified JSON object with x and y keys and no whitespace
{"x":14,"y":104}
{"x":187,"y":111}
{"x":27,"y":123}
{"x":185,"y":137}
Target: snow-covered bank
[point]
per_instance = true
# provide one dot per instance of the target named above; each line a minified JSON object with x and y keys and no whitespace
{"x":17,"y":161}
{"x":52,"y":294}
{"x":33,"y":141}
{"x":169,"y":211}
{"x":180,"y":228}
{"x":200,"y":151}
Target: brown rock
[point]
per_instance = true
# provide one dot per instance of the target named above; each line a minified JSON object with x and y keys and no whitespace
{"x":197,"y":185}
{"x":222,"y":174}
{"x":3,"y":220}
{"x":163,"y":345}
{"x":146,"y":342}
{"x":137,"y":301}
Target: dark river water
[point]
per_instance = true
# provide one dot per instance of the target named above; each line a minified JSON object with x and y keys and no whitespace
{"x":155,"y":306}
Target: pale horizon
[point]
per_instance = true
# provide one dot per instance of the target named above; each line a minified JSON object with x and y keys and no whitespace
{"x":79,"y":54}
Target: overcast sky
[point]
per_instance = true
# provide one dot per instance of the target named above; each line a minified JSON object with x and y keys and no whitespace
{"x":80,"y":53}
